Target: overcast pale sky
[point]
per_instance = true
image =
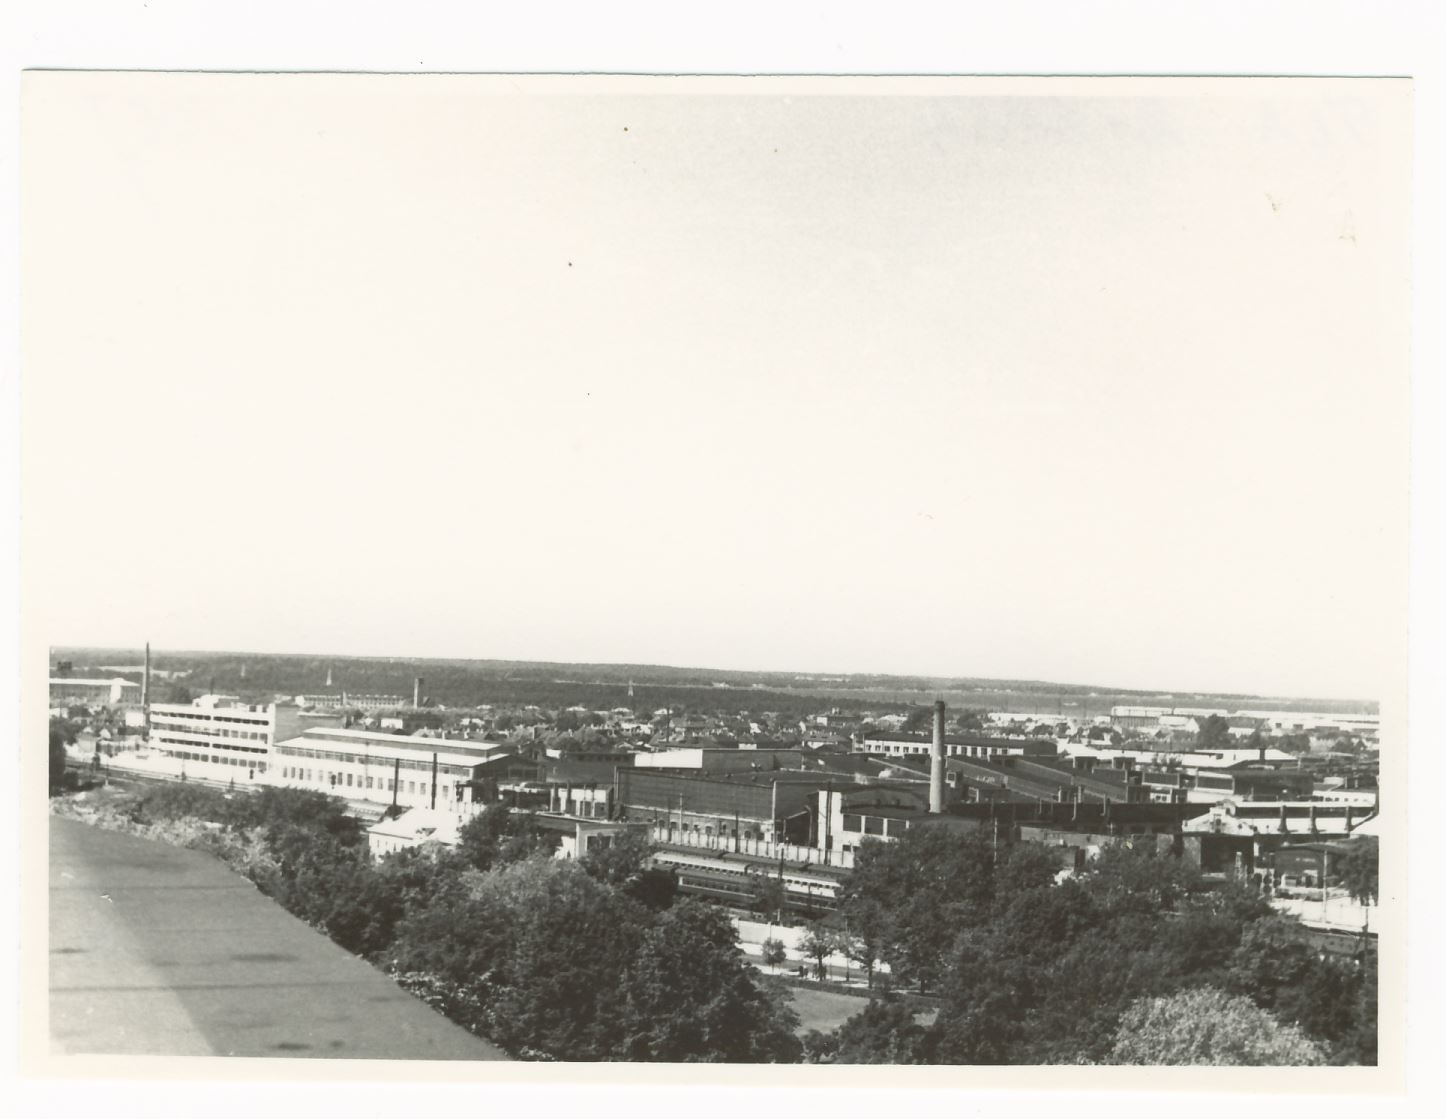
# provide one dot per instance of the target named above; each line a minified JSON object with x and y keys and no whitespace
{"x":1096,"y":389}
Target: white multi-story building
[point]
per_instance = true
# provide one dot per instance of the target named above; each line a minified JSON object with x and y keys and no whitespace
{"x":383,"y":769}
{"x":221,"y":737}
{"x":67,"y":690}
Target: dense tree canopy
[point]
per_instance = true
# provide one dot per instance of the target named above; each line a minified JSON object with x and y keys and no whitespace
{"x":910,"y":899}
{"x":497,"y":836}
{"x":596,"y":960}
{"x":886,"y":1032}
{"x":1031,"y":970}
{"x":1205,"y":1026}
{"x":691,"y":996}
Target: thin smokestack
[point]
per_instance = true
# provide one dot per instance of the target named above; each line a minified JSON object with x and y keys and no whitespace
{"x":936,"y":761}
{"x":417,"y":692}
{"x":146,"y":695}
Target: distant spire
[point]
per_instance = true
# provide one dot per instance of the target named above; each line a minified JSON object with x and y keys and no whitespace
{"x":328,"y":676}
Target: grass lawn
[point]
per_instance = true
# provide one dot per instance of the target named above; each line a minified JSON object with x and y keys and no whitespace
{"x":824,"y":1010}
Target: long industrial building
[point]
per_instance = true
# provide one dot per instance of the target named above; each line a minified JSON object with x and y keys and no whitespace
{"x":386,"y":769}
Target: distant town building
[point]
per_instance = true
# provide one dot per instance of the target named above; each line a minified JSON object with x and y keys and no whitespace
{"x":107,"y":692}
{"x":359,"y":701}
{"x":896,"y":745}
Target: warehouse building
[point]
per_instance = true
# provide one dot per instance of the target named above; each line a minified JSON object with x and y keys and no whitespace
{"x":386,"y":769}
{"x":981,"y":746}
{"x":771,"y":807}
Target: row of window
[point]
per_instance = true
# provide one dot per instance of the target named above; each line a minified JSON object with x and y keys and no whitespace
{"x":207,"y":717}
{"x":192,"y":756}
{"x":357,"y":781}
{"x":209,"y":732}
{"x":423,"y":764}
{"x":168,"y":741}
{"x":873,"y":825}
{"x":756,"y":874}
{"x":911,"y":750}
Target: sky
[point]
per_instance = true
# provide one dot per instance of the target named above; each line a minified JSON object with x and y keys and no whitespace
{"x":1091,"y":384}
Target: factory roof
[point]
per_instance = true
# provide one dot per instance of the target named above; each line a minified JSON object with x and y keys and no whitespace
{"x":387,"y":749}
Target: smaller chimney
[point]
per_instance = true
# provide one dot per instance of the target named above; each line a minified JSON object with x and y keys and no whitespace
{"x":417,"y":692}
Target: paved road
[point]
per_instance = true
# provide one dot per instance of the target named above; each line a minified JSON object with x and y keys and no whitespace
{"x":159,"y":950}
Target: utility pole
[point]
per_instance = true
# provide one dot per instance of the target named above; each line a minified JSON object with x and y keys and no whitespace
{"x":782,"y":889}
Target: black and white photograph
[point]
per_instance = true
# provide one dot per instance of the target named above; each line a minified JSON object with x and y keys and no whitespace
{"x":751,"y":571}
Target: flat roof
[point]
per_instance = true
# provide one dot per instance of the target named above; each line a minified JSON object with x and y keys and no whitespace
{"x":468,"y":761}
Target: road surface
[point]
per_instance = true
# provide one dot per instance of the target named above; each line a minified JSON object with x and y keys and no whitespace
{"x":159,"y":950}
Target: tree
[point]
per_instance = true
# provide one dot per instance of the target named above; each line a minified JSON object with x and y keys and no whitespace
{"x":624,"y":865}
{"x":1124,"y":875}
{"x":869,"y":927}
{"x":1331,"y":999}
{"x":691,"y":996}
{"x":913,"y":896}
{"x":497,"y":836}
{"x":1205,"y":1026}
{"x":306,"y":809}
{"x":919,"y":719}
{"x":769,"y":894}
{"x":57,"y":757}
{"x":536,"y":955}
{"x":773,"y":952}
{"x":1214,"y":733}
{"x":1359,"y":869}
{"x":883,"y":1033}
{"x":818,"y":944}
{"x":972,"y":719}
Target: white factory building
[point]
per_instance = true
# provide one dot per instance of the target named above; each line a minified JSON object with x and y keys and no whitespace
{"x":218,"y":737}
{"x":383,"y":769}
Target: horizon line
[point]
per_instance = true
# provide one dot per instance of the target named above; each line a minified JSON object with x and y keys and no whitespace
{"x":1098,"y":689}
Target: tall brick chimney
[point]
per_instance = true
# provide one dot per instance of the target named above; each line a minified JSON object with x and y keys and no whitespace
{"x":936,"y":761}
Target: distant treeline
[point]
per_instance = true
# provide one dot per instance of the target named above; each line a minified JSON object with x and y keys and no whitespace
{"x":462,"y":683}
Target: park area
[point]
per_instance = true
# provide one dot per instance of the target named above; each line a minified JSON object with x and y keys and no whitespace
{"x":826,"y":1008}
